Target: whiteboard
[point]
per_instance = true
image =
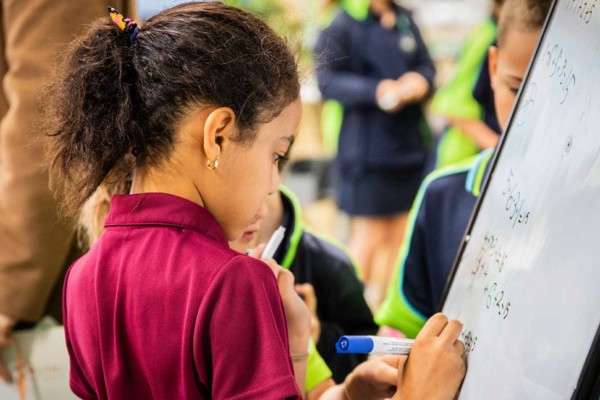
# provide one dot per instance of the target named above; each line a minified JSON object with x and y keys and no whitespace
{"x":526,"y":281}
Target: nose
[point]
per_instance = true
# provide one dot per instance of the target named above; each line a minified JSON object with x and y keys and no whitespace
{"x":275,"y":181}
{"x":262,"y":211}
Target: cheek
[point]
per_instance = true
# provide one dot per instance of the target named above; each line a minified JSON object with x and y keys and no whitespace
{"x":250,"y":182}
{"x":504,"y":99}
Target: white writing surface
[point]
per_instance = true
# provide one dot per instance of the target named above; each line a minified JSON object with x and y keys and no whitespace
{"x":527,"y":283}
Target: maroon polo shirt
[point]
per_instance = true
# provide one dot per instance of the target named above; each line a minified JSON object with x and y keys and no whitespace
{"x":161,"y":308}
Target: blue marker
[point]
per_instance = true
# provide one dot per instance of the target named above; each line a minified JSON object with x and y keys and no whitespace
{"x":373,"y":344}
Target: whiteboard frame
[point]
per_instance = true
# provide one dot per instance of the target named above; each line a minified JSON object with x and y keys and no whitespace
{"x":588,"y":385}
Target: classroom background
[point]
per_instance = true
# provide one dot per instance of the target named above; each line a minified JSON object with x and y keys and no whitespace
{"x":445,"y":26}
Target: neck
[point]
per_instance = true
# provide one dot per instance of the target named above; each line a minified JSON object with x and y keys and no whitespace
{"x":170,"y":181}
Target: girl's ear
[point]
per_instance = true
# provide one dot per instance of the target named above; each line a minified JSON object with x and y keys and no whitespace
{"x":219,"y":128}
{"x":493,"y":66}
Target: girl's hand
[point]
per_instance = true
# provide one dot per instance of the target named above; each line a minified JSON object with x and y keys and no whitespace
{"x":375,"y":379}
{"x":296,"y":312}
{"x":435,"y":367}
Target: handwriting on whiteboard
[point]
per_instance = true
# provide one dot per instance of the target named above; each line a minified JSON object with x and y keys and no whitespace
{"x":489,"y":264}
{"x":495,"y":300}
{"x":516,"y":208}
{"x":470,"y":340}
{"x":560,"y":69}
{"x":584,"y":9}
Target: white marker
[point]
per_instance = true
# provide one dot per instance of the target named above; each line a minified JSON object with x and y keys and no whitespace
{"x":274,"y":243}
{"x":373,"y":344}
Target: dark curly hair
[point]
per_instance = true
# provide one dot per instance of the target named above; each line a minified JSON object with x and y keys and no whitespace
{"x":114,"y":106}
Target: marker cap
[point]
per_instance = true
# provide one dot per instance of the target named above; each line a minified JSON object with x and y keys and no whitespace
{"x":354,"y":344}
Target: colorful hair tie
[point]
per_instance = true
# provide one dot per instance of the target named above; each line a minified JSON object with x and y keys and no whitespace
{"x":127,"y":25}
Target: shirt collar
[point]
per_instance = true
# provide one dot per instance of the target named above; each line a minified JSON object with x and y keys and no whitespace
{"x":292,"y":221}
{"x":162,"y":209}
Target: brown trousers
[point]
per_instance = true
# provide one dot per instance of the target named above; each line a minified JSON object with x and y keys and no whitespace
{"x":36,"y":246}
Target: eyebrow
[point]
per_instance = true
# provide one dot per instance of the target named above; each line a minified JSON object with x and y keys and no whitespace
{"x":289,"y":139}
{"x":516,"y":78}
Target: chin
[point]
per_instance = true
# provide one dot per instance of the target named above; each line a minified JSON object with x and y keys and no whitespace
{"x":233,"y":236}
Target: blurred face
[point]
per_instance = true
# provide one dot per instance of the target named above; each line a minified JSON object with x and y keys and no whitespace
{"x":235,"y":193}
{"x":249,"y":238}
{"x":508,"y":66}
{"x":381,"y":6}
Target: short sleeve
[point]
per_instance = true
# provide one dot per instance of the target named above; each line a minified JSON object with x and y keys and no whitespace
{"x":79,"y":385}
{"x":241,"y":346}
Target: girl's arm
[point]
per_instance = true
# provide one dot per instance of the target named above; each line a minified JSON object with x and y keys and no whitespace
{"x":297,"y":317}
{"x":298,"y":322}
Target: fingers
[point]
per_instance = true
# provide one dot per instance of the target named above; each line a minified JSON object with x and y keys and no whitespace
{"x":388,"y":370}
{"x":434,"y":326}
{"x":451,"y":331}
{"x":306,"y":289}
{"x":459,"y":346}
{"x":392,"y":360}
{"x":257,"y":251}
{"x":307,"y":293}
{"x":439,"y":325}
{"x":401,"y":364}
{"x":285,"y":279}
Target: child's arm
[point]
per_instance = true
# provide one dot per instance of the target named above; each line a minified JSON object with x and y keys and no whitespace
{"x":422,"y":64}
{"x":298,"y":321}
{"x":483,"y":135}
{"x":335,"y":75}
{"x":297,"y":317}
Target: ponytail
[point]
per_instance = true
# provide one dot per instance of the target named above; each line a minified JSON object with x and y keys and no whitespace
{"x":93,"y":114}
{"x":116,"y":105}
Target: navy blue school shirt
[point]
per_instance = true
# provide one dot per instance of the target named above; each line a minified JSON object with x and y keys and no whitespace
{"x":353,"y":57}
{"x":325,"y":264}
{"x":435,"y":229}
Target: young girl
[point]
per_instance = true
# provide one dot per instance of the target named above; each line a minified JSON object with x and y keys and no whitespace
{"x":196,"y":109}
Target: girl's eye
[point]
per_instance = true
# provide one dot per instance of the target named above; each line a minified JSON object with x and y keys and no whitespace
{"x":514,"y":90}
{"x":280,"y":158}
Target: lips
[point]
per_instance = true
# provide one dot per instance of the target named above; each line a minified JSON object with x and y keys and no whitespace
{"x":250,"y":233}
{"x":249,"y":236}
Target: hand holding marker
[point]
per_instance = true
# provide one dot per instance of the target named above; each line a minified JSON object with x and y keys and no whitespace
{"x":373,"y":344}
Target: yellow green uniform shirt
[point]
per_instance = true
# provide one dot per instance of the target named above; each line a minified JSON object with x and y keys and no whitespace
{"x":455,"y":99}
{"x":316,"y":371}
{"x":435,"y":228}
